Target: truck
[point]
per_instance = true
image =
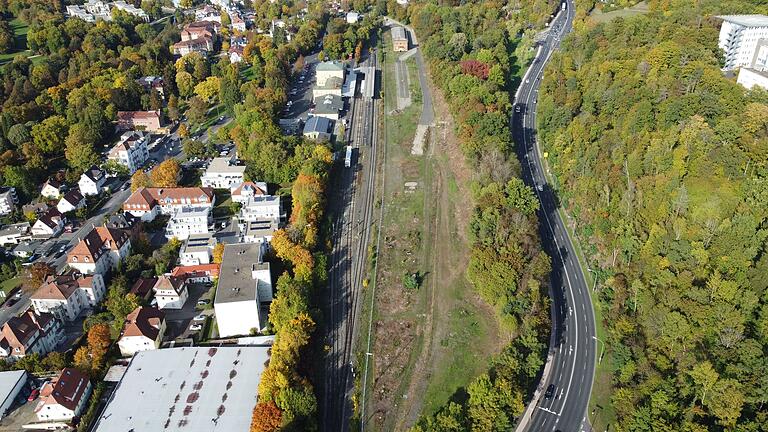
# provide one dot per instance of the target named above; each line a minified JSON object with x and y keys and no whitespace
{"x":564,"y":5}
{"x":348,"y":157}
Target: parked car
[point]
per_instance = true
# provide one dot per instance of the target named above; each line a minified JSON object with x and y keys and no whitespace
{"x":203,"y":302}
{"x":195,"y":327}
{"x":33,"y":395}
{"x":200,"y":317}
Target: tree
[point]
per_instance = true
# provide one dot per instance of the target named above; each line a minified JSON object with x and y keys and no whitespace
{"x":38,"y":272}
{"x":18,"y":134}
{"x":198,"y":109}
{"x":218,"y":253}
{"x":229,"y":90}
{"x":193,"y":147}
{"x":185,"y":83}
{"x":115,"y":168}
{"x":166,"y":175}
{"x":140,"y":179}
{"x":267,"y":417}
{"x":173,"y":107}
{"x":208,"y":90}
{"x":48,"y":136}
{"x":79,"y":149}
{"x":183,"y":131}
{"x":6,"y":37}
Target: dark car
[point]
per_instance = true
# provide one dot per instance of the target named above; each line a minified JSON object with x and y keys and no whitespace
{"x":550,"y":391}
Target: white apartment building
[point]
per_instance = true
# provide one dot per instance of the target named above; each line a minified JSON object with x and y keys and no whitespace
{"x":100,"y":251}
{"x":8,"y":200}
{"x":327,"y":70}
{"x":186,"y":221}
{"x":261,"y":207}
{"x":29,"y":333}
{"x":15,"y":233}
{"x":750,"y":78}
{"x":92,"y":181}
{"x":244,"y":290}
{"x":131,"y":9}
{"x":739,"y":36}
{"x":222,"y":173}
{"x":67,"y":295}
{"x":197,"y":250}
{"x":131,"y":151}
{"x":143,"y":330}
{"x":170,"y":292}
{"x":147,"y":203}
{"x":65,"y":397}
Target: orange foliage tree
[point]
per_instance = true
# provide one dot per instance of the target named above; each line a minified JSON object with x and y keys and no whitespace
{"x":266,"y":417}
{"x":166,"y":174}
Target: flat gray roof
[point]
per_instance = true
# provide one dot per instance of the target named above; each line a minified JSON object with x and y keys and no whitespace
{"x":224,"y":165}
{"x":194,"y":389}
{"x":746,"y":20}
{"x":328,"y":104}
{"x":261,"y":227}
{"x":198,"y":242}
{"x":333,"y":65}
{"x":398,"y":33}
{"x":236,"y":282}
{"x":8,"y":381}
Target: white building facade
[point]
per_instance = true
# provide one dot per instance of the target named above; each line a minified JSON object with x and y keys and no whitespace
{"x":739,"y":36}
{"x":131,"y":151}
{"x":187,"y":221}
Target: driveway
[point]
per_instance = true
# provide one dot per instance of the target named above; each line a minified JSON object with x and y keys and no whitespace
{"x":179,"y":320}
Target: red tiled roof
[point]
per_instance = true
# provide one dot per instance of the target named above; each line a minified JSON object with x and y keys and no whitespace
{"x":66,"y":389}
{"x":135,"y":115}
{"x":62,"y":286}
{"x":250,"y":187}
{"x":143,"y":286}
{"x":19,"y":332}
{"x":169,"y":283}
{"x":143,"y":321}
{"x":51,"y":218}
{"x":199,"y":270}
{"x":92,"y":244}
{"x":147,"y":198}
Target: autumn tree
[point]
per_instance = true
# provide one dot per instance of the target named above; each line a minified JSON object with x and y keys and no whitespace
{"x":166,"y":174}
{"x":140,"y":179}
{"x":267,"y":417}
{"x":218,"y":253}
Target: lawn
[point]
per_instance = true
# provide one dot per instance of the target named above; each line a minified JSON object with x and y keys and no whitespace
{"x":638,"y":9}
{"x":7,"y":286}
{"x":20,"y":30}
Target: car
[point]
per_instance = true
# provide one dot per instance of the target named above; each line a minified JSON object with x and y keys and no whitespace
{"x":289,"y":103}
{"x":517,"y":108}
{"x":200,"y":317}
{"x":527,"y":81}
{"x":195,"y":327}
{"x":550,"y":391}
{"x":221,"y":119}
{"x":208,"y":284}
{"x":33,"y":395}
{"x":203,"y":302}
{"x":540,"y":188}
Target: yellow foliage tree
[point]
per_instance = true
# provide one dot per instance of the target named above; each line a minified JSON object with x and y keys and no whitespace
{"x":140,"y":179}
{"x":166,"y":174}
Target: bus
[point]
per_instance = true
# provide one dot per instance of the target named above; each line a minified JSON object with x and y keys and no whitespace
{"x":348,"y":157}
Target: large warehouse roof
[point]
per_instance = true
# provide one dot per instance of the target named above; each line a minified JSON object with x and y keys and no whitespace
{"x":195,"y":389}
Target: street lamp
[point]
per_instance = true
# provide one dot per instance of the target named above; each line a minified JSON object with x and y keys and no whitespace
{"x":594,"y":276}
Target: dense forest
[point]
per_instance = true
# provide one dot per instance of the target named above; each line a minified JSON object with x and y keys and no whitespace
{"x":663,"y":160}
{"x":475,"y":53}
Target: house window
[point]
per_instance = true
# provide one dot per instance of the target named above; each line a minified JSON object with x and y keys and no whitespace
{"x":85,"y":259}
{"x":74,"y":258}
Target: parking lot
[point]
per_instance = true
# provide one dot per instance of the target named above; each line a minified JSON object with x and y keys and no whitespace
{"x":178,"y":321}
{"x":21,"y":412}
{"x":300,"y":93}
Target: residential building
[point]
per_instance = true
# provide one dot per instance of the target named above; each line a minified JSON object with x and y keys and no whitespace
{"x":278,"y":27}
{"x":327,"y":70}
{"x":245,"y":190}
{"x":223,"y":173}
{"x":15,"y":233}
{"x":77,"y":11}
{"x":92,"y":181}
{"x":202,"y":45}
{"x":126,"y":222}
{"x":237,"y":22}
{"x":67,"y":295}
{"x":8,"y":200}
{"x":329,"y":106}
{"x":353,"y":17}
{"x":131,"y":9}
{"x":197,"y":273}
{"x":151,"y":82}
{"x":52,"y":189}
{"x":236,"y":54}
{"x":331,"y":86}
{"x":100,"y":251}
{"x":318,"y":128}
{"x":208,"y":13}
{"x":262,"y":207}
{"x":739,"y":36}
{"x":98,"y":9}
{"x":64,"y":397}
{"x":259,"y":231}
{"x":750,"y":78}
{"x":170,"y":292}
{"x":26,"y":249}
{"x":197,"y":249}
{"x":143,"y":287}
{"x":140,"y":120}
{"x":244,"y":290}
{"x":71,"y":201}
{"x":36,"y":208}
{"x":49,"y":224}
{"x":399,"y":39}
{"x":143,"y":330}
{"x":29,"y":333}
{"x":11,"y":384}
{"x":131,"y":151}
{"x":147,"y":203}
{"x":186,"y":221}
{"x":190,"y":388}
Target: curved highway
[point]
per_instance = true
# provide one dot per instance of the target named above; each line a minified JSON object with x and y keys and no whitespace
{"x":562,"y":397}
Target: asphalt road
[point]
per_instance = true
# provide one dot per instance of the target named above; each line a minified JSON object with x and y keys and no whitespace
{"x":351,"y":206}
{"x":571,"y":361}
